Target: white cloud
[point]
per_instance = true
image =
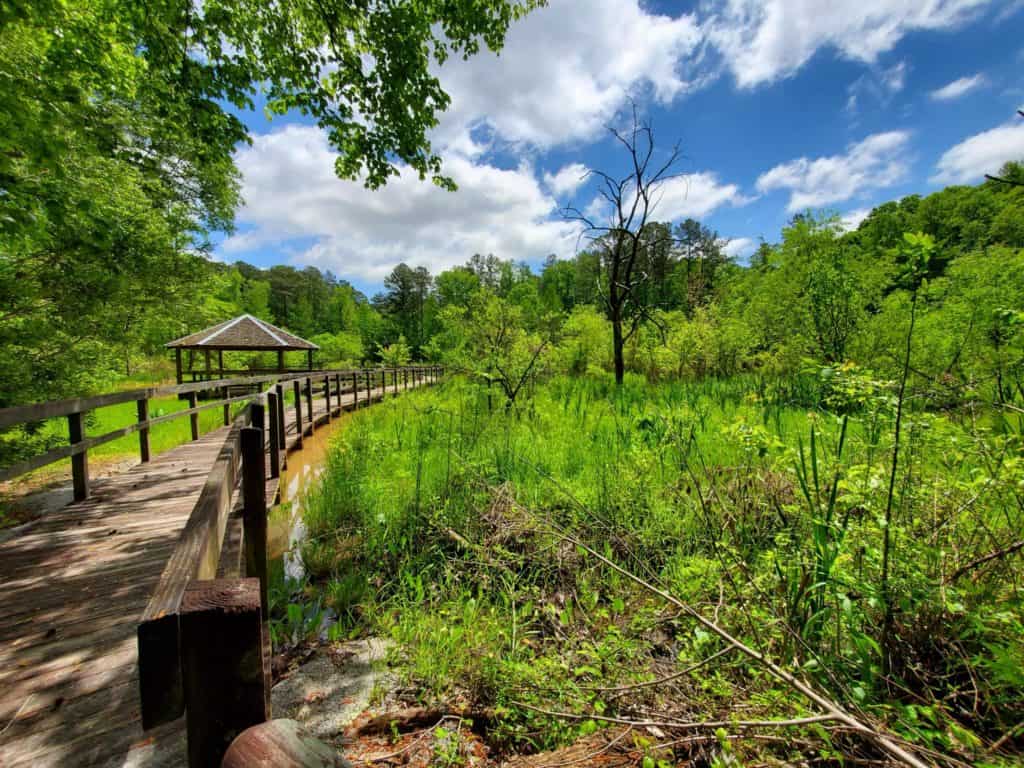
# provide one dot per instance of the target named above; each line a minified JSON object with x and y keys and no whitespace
{"x":695,"y":195}
{"x":880,"y":85}
{"x":895,"y":77}
{"x":982,"y":153}
{"x":567,"y":180}
{"x":958,"y":88}
{"x":565,"y":70}
{"x":740,"y":248}
{"x":292,"y":198}
{"x":877,"y":161}
{"x":766,"y":40}
{"x":852,"y":219}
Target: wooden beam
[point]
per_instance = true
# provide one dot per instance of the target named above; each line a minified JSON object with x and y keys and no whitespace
{"x":195,"y":556}
{"x":225,"y":666}
{"x":327,"y":396}
{"x":193,"y":417}
{"x":309,"y":404}
{"x":254,"y":511}
{"x":177,"y":364}
{"x":143,"y":412}
{"x":80,"y":462}
{"x":298,"y":411}
{"x":275,"y":445}
{"x":282,"y":440}
{"x":355,"y":391}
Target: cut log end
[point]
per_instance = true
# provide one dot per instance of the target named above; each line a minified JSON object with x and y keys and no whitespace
{"x":281,"y":744}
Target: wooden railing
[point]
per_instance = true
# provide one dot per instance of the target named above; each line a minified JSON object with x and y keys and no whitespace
{"x":75,"y":411}
{"x":203,"y":640}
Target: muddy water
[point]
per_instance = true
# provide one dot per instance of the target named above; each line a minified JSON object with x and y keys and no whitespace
{"x":286,"y":530}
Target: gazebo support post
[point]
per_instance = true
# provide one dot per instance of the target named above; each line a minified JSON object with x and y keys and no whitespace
{"x":177,"y":364}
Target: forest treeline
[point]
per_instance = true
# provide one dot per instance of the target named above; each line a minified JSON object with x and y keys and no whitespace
{"x":819,"y":294}
{"x":119,"y":123}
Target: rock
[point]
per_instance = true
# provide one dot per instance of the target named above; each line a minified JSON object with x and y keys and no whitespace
{"x":326,"y":693}
{"x":280,"y":744}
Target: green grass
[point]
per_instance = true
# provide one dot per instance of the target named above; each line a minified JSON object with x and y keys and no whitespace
{"x":17,"y":443}
{"x":434,"y":525}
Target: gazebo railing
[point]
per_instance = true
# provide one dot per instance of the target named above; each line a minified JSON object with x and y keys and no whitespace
{"x":331,"y":383}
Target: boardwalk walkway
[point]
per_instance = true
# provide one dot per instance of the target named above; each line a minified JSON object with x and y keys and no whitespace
{"x":72,"y":589}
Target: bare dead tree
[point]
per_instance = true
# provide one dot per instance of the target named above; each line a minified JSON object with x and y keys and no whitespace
{"x":1001,"y":180}
{"x":621,"y":239}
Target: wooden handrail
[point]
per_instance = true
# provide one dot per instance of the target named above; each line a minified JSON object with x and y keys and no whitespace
{"x":21,"y":414}
{"x":75,"y":409}
{"x":177,"y":657}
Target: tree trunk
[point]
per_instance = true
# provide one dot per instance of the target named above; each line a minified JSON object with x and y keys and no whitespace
{"x":617,"y":343}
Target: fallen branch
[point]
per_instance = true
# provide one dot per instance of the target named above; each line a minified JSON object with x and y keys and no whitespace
{"x":978,"y":562}
{"x":832,"y":710}
{"x":414,"y":718}
{"x":407,"y":748}
{"x":680,"y":726}
{"x":662,"y":680}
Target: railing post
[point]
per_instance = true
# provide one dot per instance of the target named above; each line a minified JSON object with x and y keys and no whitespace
{"x":225,"y":665}
{"x":394,"y":380}
{"x":256,"y":415}
{"x":355,"y":390}
{"x":193,"y":417}
{"x":254,"y":510}
{"x":327,"y":396}
{"x":369,"y":394}
{"x":227,"y":406}
{"x":298,"y":410}
{"x":142,"y":406}
{"x":405,"y":378}
{"x":80,"y":461}
{"x":282,"y":442}
{"x":309,"y":404}
{"x":275,"y":447}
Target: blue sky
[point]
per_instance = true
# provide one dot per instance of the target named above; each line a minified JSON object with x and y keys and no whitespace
{"x":779,"y":105}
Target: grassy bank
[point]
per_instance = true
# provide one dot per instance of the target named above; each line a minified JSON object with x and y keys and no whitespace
{"x":438,"y":523}
{"x":23,"y":442}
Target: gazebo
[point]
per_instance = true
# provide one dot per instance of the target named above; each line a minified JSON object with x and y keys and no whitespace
{"x":244,"y":333}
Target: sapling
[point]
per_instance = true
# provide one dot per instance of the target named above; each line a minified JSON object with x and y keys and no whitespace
{"x":916,"y":250}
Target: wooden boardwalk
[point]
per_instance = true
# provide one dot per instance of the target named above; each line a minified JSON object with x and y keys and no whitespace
{"x":72,"y":589}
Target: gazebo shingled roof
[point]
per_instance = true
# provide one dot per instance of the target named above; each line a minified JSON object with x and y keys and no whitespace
{"x":243,"y":333}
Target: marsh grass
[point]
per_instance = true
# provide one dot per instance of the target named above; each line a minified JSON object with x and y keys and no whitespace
{"x":735,"y":494}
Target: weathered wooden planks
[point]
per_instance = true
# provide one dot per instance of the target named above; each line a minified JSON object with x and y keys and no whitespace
{"x":67,"y":685}
{"x":76,"y":583}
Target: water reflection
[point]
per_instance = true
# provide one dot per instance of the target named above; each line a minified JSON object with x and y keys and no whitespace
{"x":286,"y":529}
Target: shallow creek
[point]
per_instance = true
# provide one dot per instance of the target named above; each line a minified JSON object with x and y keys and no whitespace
{"x":286,"y":529}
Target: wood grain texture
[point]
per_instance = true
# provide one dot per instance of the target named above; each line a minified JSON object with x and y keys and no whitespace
{"x":76,"y":583}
